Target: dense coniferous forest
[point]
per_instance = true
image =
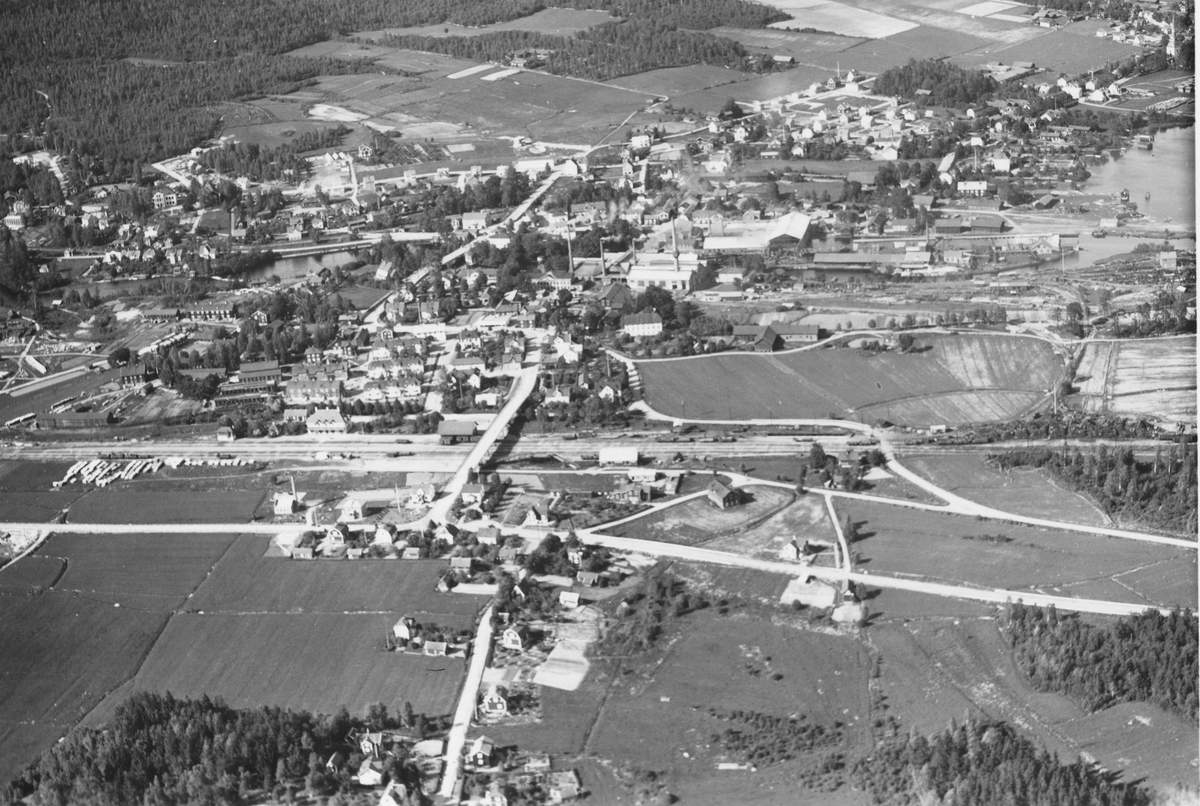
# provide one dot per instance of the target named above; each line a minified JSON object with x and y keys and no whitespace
{"x":1159,"y":493}
{"x":948,"y":84}
{"x":1147,"y":658}
{"x":985,"y":763}
{"x":602,"y":53}
{"x":158,"y":750}
{"x":74,"y":70}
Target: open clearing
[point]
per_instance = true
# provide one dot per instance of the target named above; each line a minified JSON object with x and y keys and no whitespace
{"x":657,"y":718}
{"x":949,"y":379}
{"x":317,"y":662}
{"x":1141,"y":377}
{"x":959,"y":549}
{"x":1025,"y":491}
{"x":133,"y":506}
{"x":934,"y":670}
{"x":699,"y":521}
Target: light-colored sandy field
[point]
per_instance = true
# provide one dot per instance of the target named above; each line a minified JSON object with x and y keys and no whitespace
{"x":1141,"y":377}
{"x":838,"y":18}
{"x":335,"y":113}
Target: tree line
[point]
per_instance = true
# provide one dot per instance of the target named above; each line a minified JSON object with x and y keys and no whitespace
{"x":985,"y":762}
{"x":159,"y":750}
{"x":601,"y":53}
{"x":947,"y":84}
{"x":1145,"y":658}
{"x":1160,"y":493}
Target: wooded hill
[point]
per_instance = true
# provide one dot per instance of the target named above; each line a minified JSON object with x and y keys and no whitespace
{"x":1147,"y":658}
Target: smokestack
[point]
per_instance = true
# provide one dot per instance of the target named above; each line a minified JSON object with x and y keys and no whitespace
{"x":293,"y":480}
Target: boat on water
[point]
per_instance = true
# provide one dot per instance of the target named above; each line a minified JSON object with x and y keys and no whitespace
{"x":1145,"y":141}
{"x":1147,"y":195}
{"x":1124,"y":195}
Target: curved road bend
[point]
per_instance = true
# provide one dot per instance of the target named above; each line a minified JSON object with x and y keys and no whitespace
{"x":955,"y":503}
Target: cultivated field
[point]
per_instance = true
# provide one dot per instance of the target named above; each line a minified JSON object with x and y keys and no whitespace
{"x":699,"y":521}
{"x":1056,"y":51}
{"x":939,"y":15}
{"x":31,"y":572}
{"x":959,"y":549}
{"x":36,"y":507}
{"x":62,"y":653}
{"x":428,"y":65}
{"x":65,"y":649}
{"x":245,"y":581}
{"x":950,"y":379}
{"x":119,"y":505}
{"x":1024,"y":491}
{"x":659,"y":719}
{"x":451,"y":99}
{"x":549,"y":21}
{"x":775,"y":41}
{"x":317,"y":662}
{"x":752,"y":89}
{"x":824,"y":15}
{"x":152,"y":572}
{"x":673,"y":81}
{"x":1150,"y":377}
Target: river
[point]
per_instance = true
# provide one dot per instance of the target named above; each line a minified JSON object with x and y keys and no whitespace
{"x":1167,"y":173}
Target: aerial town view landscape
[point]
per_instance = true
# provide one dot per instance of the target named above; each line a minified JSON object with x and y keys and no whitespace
{"x":614,"y":402}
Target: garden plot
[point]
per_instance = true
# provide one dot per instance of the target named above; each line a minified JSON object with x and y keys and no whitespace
{"x":807,"y":518}
{"x":698,"y":521}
